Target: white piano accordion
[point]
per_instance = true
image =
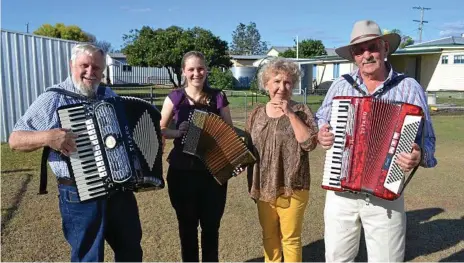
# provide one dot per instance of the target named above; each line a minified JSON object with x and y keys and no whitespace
{"x":119,"y":146}
{"x":369,"y":135}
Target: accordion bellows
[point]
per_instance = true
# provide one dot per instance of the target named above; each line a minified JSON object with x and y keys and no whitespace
{"x":217,"y":144}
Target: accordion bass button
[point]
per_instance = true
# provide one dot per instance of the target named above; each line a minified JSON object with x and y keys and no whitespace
{"x":110,"y":141}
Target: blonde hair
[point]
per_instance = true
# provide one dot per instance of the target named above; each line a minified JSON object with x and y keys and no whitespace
{"x":278,"y":65}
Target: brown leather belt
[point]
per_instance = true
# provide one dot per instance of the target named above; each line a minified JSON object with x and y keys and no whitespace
{"x":66,"y":181}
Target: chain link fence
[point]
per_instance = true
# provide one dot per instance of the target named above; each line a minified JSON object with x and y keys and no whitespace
{"x":240,"y":105}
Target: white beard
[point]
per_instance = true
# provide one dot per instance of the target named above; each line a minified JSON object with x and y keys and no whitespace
{"x":89,"y":92}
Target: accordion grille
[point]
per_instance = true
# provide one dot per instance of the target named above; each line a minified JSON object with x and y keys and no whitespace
{"x":146,"y":139}
{"x":404,"y":145}
{"x":108,"y":125}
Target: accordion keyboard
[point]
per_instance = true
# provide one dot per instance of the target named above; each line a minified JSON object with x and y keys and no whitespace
{"x":333,"y":163}
{"x":87,"y":162}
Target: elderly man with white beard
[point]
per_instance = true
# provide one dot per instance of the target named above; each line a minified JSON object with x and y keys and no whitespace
{"x":86,"y":225}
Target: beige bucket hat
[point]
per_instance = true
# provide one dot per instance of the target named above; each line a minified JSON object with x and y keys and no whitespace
{"x":366,"y":30}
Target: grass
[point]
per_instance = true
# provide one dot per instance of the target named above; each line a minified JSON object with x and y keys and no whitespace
{"x":31,"y":223}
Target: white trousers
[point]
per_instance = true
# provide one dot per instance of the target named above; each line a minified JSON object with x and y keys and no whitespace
{"x":384,"y":224}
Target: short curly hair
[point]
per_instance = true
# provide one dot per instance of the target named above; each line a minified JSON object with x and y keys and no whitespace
{"x":276,"y":66}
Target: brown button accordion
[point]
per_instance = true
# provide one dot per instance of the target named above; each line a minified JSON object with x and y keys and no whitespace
{"x":217,"y":144}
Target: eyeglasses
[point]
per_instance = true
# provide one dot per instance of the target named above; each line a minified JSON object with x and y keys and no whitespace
{"x":360,"y":49}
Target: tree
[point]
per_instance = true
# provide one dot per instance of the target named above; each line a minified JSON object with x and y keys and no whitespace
{"x":165,"y":47}
{"x":311,"y":48}
{"x":62,"y":31}
{"x":306,"y":48}
{"x":246,"y":40}
{"x":289,"y":53}
{"x":405,"y":39}
{"x":104,"y":45}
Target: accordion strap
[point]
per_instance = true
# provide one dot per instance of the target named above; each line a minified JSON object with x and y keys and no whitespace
{"x":379,"y":92}
{"x":46,"y":150}
{"x":210,"y":98}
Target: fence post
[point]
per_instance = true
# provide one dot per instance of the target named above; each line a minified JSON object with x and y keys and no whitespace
{"x":151,"y":94}
{"x":306,"y":96}
{"x":246,"y":106}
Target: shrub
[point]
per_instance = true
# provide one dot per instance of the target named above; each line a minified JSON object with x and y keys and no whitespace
{"x":221,"y":80}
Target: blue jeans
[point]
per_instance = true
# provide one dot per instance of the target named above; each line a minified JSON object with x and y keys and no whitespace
{"x":86,"y":225}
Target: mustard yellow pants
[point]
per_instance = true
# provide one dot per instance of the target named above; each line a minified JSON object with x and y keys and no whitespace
{"x":281,"y":224}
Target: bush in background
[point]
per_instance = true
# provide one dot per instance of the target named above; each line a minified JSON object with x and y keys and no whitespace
{"x":221,"y":80}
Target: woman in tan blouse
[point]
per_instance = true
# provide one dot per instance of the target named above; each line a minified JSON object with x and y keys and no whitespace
{"x":282,"y":132}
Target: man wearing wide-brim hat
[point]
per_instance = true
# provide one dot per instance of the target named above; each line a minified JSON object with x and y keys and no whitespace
{"x":384,"y":222}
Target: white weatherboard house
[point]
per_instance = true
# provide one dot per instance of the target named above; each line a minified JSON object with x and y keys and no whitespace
{"x":438,"y":65}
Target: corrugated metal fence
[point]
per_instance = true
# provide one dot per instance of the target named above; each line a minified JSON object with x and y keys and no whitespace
{"x":29,"y":64}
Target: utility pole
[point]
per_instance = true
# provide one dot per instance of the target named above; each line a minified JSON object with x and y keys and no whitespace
{"x":296,"y":46}
{"x":421,"y":22}
{"x":27,"y":27}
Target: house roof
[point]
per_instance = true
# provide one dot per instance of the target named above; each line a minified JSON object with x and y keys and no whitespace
{"x":281,"y":49}
{"x":417,"y":51}
{"x":446,"y":41}
{"x":251,"y":57}
{"x":331,"y":52}
{"x":117,"y":55}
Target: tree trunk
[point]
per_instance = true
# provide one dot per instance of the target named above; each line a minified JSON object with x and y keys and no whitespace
{"x":171,"y":78}
{"x":178,"y":72}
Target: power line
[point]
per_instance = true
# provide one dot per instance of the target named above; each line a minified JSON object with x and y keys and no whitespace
{"x":422,"y":21}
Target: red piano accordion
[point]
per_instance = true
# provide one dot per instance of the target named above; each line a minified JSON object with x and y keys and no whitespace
{"x":369,"y":135}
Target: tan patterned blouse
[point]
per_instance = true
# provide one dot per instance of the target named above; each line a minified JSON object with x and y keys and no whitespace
{"x":282,"y":163}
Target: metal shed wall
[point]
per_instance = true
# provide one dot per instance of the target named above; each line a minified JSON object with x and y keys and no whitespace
{"x":29,"y":64}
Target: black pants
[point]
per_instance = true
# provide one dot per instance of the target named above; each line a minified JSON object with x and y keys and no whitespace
{"x":198,"y":200}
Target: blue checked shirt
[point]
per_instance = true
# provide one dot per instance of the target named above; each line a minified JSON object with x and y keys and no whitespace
{"x":42,"y":116}
{"x":407,"y":90}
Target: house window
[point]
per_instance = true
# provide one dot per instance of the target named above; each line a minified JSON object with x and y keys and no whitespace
{"x":459,"y":59}
{"x":126,"y":68}
{"x":444,"y":59}
{"x":314,"y":71}
{"x":336,"y":70}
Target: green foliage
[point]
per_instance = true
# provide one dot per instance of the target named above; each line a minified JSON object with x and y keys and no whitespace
{"x":165,"y":48}
{"x":246,"y":40}
{"x":221,"y":79}
{"x":289,"y":53}
{"x":307,"y":48}
{"x":405,"y":39}
{"x":62,"y":31}
{"x":310,"y":48}
{"x":254,"y":85}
